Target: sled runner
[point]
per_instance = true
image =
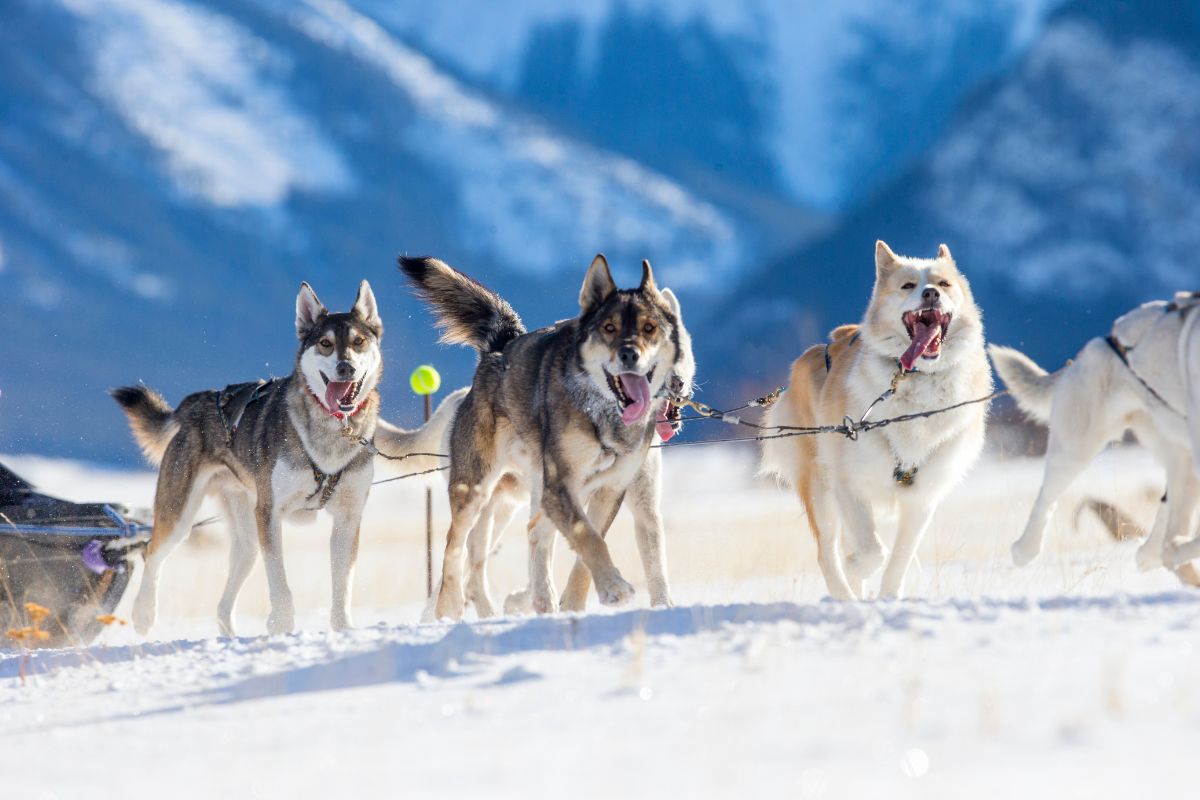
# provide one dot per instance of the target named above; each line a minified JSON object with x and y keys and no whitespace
{"x":71,"y":558}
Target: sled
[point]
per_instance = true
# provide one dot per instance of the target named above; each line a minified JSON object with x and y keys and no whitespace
{"x":72,"y":559}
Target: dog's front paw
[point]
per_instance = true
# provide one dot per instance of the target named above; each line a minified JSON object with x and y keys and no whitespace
{"x":542,"y":599}
{"x":614,"y":590}
{"x":450,"y":604}
{"x":340,"y":622}
{"x":1149,"y":556}
{"x":1175,"y":555}
{"x":862,"y":565}
{"x":518,"y":603}
{"x":143,"y":618}
{"x":281,"y":620}
{"x":1023,"y":552}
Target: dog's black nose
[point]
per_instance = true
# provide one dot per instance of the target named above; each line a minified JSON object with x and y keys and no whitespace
{"x":930,"y":295}
{"x":345,"y":370}
{"x":628,"y":356}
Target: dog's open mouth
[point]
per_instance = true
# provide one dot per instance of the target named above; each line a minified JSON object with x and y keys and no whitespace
{"x":632,"y":392}
{"x":927,"y":327}
{"x":341,"y":395}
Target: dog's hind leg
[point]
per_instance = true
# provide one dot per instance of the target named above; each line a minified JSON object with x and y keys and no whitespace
{"x":492,"y":521}
{"x":181,"y":487}
{"x":602,"y":510}
{"x":471,"y":486}
{"x":1078,"y":431}
{"x":243,"y":552}
{"x":1150,"y":553}
{"x":1181,"y":545}
{"x":822,"y":519}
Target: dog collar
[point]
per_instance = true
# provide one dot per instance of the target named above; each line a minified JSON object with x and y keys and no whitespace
{"x":335,"y":413}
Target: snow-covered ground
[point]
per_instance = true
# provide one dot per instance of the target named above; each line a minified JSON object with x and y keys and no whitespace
{"x":1070,"y":678}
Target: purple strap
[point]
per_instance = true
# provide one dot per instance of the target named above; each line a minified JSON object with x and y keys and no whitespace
{"x":93,"y":557}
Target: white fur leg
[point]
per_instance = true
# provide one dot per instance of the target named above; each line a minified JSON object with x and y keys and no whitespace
{"x":282,"y":618}
{"x":914,"y":520}
{"x":866,"y":552}
{"x":542,"y":595}
{"x":145,"y":607}
{"x":243,"y":553}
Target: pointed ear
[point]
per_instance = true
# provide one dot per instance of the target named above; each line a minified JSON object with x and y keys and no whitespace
{"x":597,"y":284}
{"x":309,"y":310}
{"x":647,"y":284}
{"x":885,"y":260}
{"x":672,"y":302}
{"x":944,"y":253}
{"x":365,"y":308}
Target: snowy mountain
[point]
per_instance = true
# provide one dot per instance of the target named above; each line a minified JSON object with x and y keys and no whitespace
{"x":170,"y":171}
{"x":798,"y":98}
{"x":1067,"y":191}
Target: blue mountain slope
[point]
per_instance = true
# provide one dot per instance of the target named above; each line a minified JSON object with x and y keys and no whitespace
{"x":170,"y":171}
{"x":1067,"y":191}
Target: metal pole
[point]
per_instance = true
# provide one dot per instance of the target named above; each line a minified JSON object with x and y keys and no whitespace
{"x":428,"y":522}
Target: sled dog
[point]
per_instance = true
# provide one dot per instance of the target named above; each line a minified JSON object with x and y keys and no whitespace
{"x":923,"y":330}
{"x":1145,"y":377}
{"x":270,"y":452}
{"x":570,"y":409}
{"x":644,"y":502}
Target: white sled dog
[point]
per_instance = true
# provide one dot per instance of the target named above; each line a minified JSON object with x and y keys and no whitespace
{"x":922,"y":329}
{"x":1145,"y":377}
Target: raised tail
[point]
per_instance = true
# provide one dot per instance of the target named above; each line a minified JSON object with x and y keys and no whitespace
{"x":467,"y":312}
{"x":1029,"y":384}
{"x":404,"y":446}
{"x":150,"y":417}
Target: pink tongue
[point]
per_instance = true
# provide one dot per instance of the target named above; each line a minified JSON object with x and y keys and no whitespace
{"x":637,"y":389}
{"x":664,"y":427}
{"x":923,"y":336}
{"x":334,"y":392}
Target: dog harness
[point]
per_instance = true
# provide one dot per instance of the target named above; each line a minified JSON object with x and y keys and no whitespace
{"x":232,"y":402}
{"x":1181,"y":304}
{"x":903,"y":476}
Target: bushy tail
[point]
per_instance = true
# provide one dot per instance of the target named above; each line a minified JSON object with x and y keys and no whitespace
{"x":432,"y":437}
{"x":1029,"y":384}
{"x":779,"y":454}
{"x":467,"y":312}
{"x":150,"y":417}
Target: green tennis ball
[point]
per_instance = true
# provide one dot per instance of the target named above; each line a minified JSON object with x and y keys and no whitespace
{"x":425,"y":380}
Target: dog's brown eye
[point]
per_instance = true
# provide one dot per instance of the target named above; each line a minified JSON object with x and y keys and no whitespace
{"x":325,"y":344}
{"x":610,"y":328}
{"x":358,"y":342}
{"x":648,"y":328}
{"x":944,"y":284}
{"x":908,"y":286}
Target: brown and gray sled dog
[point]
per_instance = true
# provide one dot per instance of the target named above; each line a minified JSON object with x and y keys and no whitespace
{"x":269,"y":451}
{"x":573,"y":407}
{"x":922,"y":323}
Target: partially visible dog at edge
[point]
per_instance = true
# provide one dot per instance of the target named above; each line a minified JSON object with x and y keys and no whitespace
{"x":572,"y":407}
{"x":923,"y":330}
{"x":1145,"y":377}
{"x":269,"y":452}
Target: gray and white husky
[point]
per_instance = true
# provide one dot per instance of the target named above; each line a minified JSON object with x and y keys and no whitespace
{"x":512,"y":491}
{"x":272,"y":451}
{"x":1145,"y":377}
{"x":572,"y":408}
